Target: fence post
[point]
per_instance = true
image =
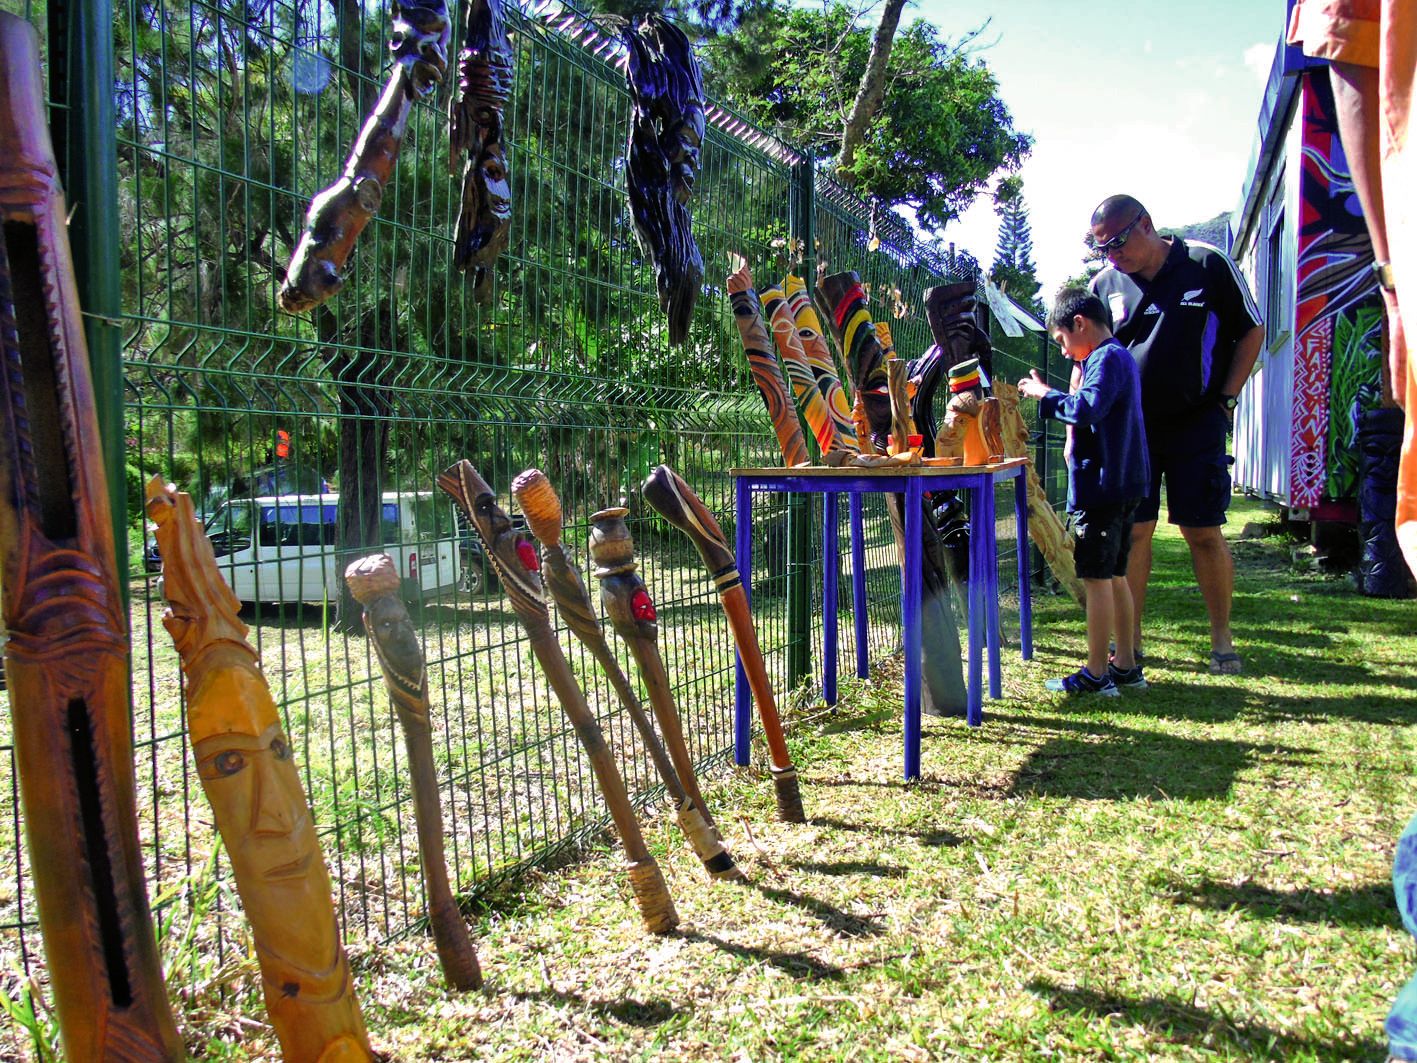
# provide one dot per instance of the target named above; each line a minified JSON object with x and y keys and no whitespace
{"x":84,"y":130}
{"x":799,"y":506}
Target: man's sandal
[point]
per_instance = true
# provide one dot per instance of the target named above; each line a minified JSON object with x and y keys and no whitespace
{"x":1225,"y":663}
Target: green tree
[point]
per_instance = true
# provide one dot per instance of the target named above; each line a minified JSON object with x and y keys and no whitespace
{"x":938,"y":135}
{"x":1013,"y":269}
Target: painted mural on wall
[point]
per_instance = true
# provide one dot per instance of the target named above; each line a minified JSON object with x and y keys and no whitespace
{"x":1337,"y":321}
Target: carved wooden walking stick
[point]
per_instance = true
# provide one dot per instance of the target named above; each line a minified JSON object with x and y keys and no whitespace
{"x":767,"y":374}
{"x":819,"y":357}
{"x":248,"y":773}
{"x":66,"y":656}
{"x":339,"y":214}
{"x":943,"y":690}
{"x":537,"y":498}
{"x":374,"y":582}
{"x":805,"y":389}
{"x":666,"y":130}
{"x":475,"y":129}
{"x":515,"y":562}
{"x":671,"y":498}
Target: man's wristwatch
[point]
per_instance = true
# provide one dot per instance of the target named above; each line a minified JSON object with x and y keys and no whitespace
{"x":1229,"y":402}
{"x":1386,"y":279}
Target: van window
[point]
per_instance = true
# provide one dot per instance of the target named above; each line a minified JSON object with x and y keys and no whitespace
{"x":229,"y":528}
{"x":389,"y":523}
{"x":302,"y":524}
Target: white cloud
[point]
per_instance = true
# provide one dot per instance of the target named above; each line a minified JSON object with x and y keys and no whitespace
{"x":1258,"y":59}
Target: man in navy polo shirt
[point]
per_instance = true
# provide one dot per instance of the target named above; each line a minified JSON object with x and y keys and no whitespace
{"x":1188,"y":318}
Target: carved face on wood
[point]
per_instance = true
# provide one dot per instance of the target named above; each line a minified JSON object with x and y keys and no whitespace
{"x":393,"y":632}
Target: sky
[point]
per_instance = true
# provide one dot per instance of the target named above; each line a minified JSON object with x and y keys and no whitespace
{"x":1159,"y":101}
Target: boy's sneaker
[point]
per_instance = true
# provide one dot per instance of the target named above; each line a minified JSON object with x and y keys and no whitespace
{"x":1084,"y":682}
{"x":1130,"y":679}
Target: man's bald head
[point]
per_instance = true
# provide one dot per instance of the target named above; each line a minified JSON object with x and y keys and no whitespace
{"x":1115,"y":207}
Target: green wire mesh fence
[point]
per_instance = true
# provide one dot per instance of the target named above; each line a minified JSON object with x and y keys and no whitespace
{"x":229,"y":118}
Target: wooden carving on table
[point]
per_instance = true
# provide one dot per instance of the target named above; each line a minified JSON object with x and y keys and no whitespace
{"x":819,"y":357}
{"x":972,"y":418}
{"x":374,"y":581}
{"x":767,"y":374}
{"x":943,"y":690}
{"x":475,"y":129}
{"x":902,"y":425}
{"x":538,"y":500}
{"x":339,"y":214}
{"x":66,"y":656}
{"x":514,"y":560}
{"x":671,"y":498}
{"x":248,"y":772}
{"x":806,"y":388}
{"x":666,"y":132}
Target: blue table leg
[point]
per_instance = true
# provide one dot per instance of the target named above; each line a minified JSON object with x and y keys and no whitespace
{"x":831,"y":548}
{"x":742,"y":696}
{"x":977,"y":606}
{"x":910,"y":577}
{"x":858,"y":587}
{"x":1025,"y":586}
{"x":991,"y":590}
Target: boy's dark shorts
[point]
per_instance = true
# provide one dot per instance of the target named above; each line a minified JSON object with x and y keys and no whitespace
{"x":1197,"y":469}
{"x":1104,"y":540}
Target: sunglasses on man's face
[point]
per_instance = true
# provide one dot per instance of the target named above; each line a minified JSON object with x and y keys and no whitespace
{"x":1119,"y":241}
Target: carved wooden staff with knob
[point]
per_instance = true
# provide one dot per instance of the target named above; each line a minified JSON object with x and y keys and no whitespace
{"x":537,"y":498}
{"x":672,"y":499}
{"x":515,"y":562}
{"x":248,"y":773}
{"x":66,"y":655}
{"x":374,"y":582}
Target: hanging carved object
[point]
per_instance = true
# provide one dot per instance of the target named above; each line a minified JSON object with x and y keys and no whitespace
{"x":475,"y":129}
{"x":515,"y":562}
{"x":666,"y":131}
{"x":66,"y":656}
{"x":767,"y":374}
{"x":339,"y":214}
{"x":248,"y":772}
{"x":374,"y":581}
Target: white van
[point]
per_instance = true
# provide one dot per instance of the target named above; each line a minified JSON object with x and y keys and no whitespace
{"x":281,"y":548}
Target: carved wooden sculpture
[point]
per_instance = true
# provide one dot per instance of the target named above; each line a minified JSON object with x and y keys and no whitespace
{"x":475,"y":130}
{"x":943,"y":691}
{"x":66,"y":657}
{"x":537,"y":498}
{"x":805,"y":388}
{"x":819,"y":357}
{"x":515,"y":562}
{"x":672,"y":499}
{"x":767,"y":374}
{"x":248,"y":773}
{"x":666,"y":130}
{"x":973,"y":416}
{"x":374,"y":581}
{"x":339,"y":214}
{"x":1045,"y":527}
{"x":949,"y":308}
{"x":902,"y":426}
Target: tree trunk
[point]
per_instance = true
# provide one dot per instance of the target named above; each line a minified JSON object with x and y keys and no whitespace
{"x":871,"y":91}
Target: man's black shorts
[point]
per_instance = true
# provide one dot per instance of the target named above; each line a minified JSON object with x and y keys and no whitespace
{"x":1194,"y":461}
{"x":1104,"y":540}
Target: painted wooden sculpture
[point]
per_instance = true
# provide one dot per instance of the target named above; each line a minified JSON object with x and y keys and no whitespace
{"x":806,"y":389}
{"x":475,"y":132}
{"x":767,"y":374}
{"x":666,"y":131}
{"x":374,"y":581}
{"x":819,"y":357}
{"x":248,"y":772}
{"x":671,"y":498}
{"x":538,"y":500}
{"x":66,"y":655}
{"x":943,"y":692}
{"x":339,"y":214}
{"x":514,"y":560}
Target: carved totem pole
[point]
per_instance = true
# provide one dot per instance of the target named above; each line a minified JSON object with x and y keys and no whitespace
{"x":66,"y":656}
{"x":247,"y":769}
{"x":819,"y":357}
{"x":767,"y":374}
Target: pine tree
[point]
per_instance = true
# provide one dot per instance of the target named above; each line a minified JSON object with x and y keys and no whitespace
{"x":1013,"y":270}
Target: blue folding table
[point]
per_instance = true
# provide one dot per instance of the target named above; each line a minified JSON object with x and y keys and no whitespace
{"x":983,"y":597}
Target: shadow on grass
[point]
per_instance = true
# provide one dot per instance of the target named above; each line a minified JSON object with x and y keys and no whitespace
{"x":848,"y":867}
{"x":645,"y":1014}
{"x":1186,"y":1024}
{"x":939,"y":838}
{"x":1362,"y":906}
{"x":830,"y":916}
{"x":796,"y":964}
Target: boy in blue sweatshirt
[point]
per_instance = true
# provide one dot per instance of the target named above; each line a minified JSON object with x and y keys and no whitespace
{"x":1108,"y":474}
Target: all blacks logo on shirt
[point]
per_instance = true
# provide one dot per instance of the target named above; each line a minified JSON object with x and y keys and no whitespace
{"x":1194,"y":298}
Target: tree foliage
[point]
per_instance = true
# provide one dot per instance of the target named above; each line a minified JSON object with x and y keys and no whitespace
{"x":940,"y":134}
{"x":1014,"y":270}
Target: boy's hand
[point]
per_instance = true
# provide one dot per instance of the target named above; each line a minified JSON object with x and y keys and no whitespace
{"x":1033,"y":386}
